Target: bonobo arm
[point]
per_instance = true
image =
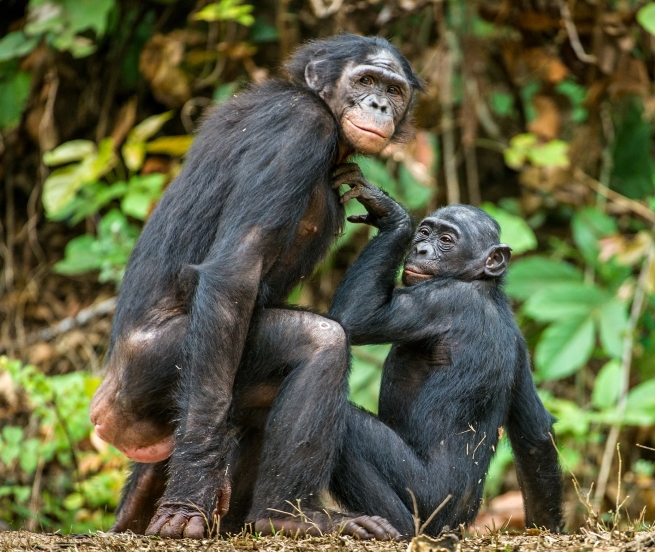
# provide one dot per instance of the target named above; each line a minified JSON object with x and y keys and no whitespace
{"x":530,"y":427}
{"x":269,"y":194}
{"x":366,"y":302}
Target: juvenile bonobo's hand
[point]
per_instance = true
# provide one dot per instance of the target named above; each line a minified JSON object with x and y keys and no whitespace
{"x":381,"y":209}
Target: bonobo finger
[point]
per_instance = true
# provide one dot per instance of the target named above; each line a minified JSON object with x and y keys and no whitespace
{"x":354,"y":529}
{"x":380,"y":527}
{"x":157,"y":523}
{"x":174,"y":529}
{"x":344,"y":168}
{"x":359,"y":219}
{"x":351,"y":178}
{"x":351,"y":194}
{"x":195,"y":528}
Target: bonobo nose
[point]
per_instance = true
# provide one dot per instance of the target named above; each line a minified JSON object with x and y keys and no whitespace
{"x":376,"y":102}
{"x":424,"y":250}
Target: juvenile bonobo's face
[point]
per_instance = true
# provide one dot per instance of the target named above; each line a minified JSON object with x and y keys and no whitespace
{"x":458,"y":241}
{"x":369,"y":101}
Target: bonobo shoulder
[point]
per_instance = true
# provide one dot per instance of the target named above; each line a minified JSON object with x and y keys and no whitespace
{"x":275,"y":101}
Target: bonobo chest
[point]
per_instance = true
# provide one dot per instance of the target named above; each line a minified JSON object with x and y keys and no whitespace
{"x":406,"y":370}
{"x":321,"y":223}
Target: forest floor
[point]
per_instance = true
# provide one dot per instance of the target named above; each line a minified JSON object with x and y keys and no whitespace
{"x":585,"y":541}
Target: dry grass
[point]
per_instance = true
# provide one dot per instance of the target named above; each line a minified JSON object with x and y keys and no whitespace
{"x":585,"y":541}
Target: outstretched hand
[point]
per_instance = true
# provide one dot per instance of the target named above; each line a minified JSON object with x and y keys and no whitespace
{"x":379,"y":206}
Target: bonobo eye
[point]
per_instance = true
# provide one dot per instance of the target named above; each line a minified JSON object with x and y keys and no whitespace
{"x":366,"y":81}
{"x":393,"y":90}
{"x":423,"y":232}
{"x":446,"y":239}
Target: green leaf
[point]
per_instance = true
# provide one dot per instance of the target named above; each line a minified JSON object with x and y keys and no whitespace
{"x":550,"y":154}
{"x":642,"y":396}
{"x":75,"y":150}
{"x":60,"y":188}
{"x":613,"y":322}
{"x":376,"y":172}
{"x":148,"y":127}
{"x":514,"y":231}
{"x":564,"y":347}
{"x":16,"y":44}
{"x":227,"y":10}
{"x":175,"y":146}
{"x":646,"y":17}
{"x":588,"y":226}
{"x":79,"y":256}
{"x":14,"y":92}
{"x":414,"y":194}
{"x":607,"y":385}
{"x":530,"y":275}
{"x":560,"y":302}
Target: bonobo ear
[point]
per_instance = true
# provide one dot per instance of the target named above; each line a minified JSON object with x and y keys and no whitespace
{"x":497,"y":260}
{"x":314,"y":75}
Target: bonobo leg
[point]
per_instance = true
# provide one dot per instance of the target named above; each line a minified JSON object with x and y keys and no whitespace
{"x":376,"y":467}
{"x":143,"y":488}
{"x":304,"y":431}
{"x":133,"y":408}
{"x":540,"y":479}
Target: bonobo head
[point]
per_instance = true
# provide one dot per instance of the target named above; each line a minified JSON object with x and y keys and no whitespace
{"x":459,"y":242}
{"x":367,"y":83}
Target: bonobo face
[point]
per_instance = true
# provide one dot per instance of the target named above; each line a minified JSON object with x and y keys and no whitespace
{"x":460,"y":242}
{"x":369,"y":101}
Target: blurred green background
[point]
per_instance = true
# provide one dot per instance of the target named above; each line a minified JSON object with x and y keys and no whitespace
{"x":540,"y":111}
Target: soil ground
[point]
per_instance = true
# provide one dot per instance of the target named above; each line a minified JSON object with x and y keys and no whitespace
{"x":585,"y":541}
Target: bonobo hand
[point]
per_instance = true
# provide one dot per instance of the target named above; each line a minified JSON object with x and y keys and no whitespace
{"x":178,"y":521}
{"x":381,"y":209}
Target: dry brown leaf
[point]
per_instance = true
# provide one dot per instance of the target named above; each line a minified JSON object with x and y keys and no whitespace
{"x":159,"y":63}
{"x":548,"y":122}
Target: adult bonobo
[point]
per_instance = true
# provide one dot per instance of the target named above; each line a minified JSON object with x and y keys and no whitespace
{"x":251,"y":213}
{"x":457,"y":372}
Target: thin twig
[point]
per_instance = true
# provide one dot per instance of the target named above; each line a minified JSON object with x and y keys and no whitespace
{"x":626,"y":361}
{"x":573,"y":34}
{"x":436,"y":511}
{"x":625,"y":202}
{"x":415,"y":516}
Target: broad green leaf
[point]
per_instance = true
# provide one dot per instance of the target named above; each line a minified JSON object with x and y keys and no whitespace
{"x":13,"y":95}
{"x":227,"y":10}
{"x":377,"y":173}
{"x":564,"y":347}
{"x":148,"y":127}
{"x":87,"y":14}
{"x":565,"y":300}
{"x":514,"y":231}
{"x":530,"y":275}
{"x":590,"y":225}
{"x":414,"y":194}
{"x":79,"y":256}
{"x":646,"y":17}
{"x":60,"y":188}
{"x":16,"y":44}
{"x":550,"y":154}
{"x":607,"y":385}
{"x":365,"y":377}
{"x":75,"y":150}
{"x":613,"y":322}
{"x":134,"y":154}
{"x":642,"y":396}
{"x":175,"y":146}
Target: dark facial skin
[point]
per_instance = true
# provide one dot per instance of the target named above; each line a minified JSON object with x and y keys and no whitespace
{"x":369,"y":101}
{"x":440,"y":247}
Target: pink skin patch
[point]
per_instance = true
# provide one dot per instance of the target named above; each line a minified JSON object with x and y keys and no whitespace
{"x":155,"y":452}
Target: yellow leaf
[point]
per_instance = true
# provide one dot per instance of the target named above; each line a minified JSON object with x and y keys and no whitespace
{"x":175,"y":146}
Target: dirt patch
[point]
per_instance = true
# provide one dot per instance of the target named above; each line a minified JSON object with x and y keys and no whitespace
{"x":586,"y":541}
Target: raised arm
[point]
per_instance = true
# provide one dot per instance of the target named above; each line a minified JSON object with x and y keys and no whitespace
{"x":369,"y":283}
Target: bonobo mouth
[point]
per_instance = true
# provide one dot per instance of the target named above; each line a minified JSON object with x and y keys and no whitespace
{"x":369,"y":130}
{"x":411,"y":276}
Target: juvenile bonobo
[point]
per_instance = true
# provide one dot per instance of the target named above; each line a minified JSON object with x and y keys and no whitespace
{"x":458,"y":371}
{"x":249,"y":216}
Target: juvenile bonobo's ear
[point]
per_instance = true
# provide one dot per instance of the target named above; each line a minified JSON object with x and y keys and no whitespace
{"x":497,"y":260}
{"x":314,"y":75}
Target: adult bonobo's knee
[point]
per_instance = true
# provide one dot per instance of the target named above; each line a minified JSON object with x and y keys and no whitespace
{"x":250,"y":215}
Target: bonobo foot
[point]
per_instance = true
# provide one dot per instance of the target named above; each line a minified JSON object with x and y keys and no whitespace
{"x":186,"y":521}
{"x":317,"y":524}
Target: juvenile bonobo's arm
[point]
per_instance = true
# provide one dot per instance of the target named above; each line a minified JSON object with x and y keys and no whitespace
{"x":366,"y":303}
{"x":259,"y":218}
{"x":372,"y":276}
{"x":530,"y":428}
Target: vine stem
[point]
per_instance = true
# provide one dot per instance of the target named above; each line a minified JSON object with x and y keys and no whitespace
{"x":624,"y":385}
